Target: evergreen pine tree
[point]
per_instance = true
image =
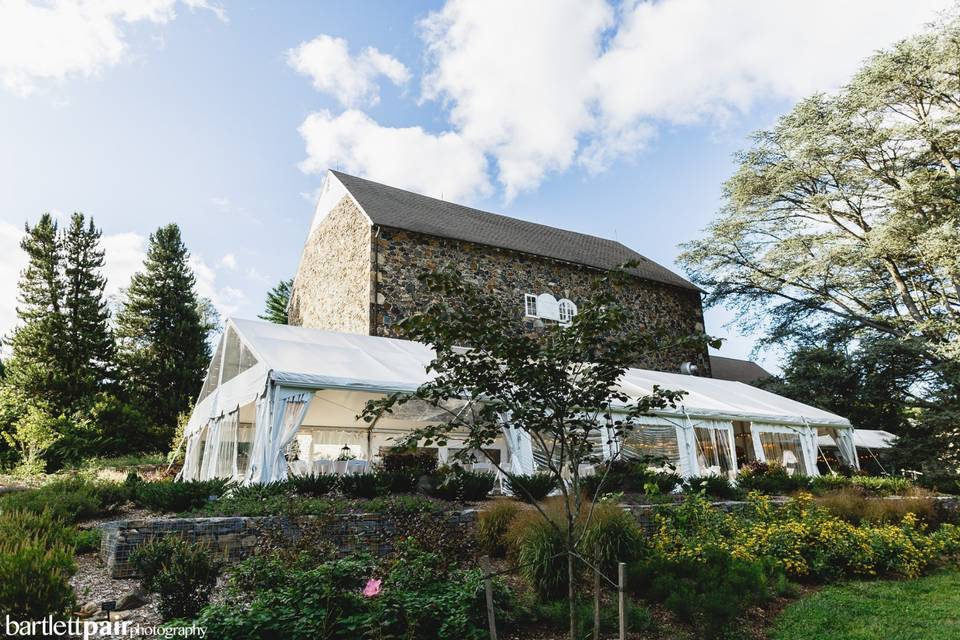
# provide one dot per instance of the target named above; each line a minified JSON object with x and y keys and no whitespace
{"x":88,"y":351}
{"x":162,"y":338}
{"x":277,"y":300}
{"x":37,"y":366}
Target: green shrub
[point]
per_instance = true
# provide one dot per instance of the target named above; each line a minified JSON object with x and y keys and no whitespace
{"x":420,"y":598}
{"x":361,"y":485}
{"x":710,"y":592}
{"x":770,"y":479}
{"x":630,"y":476}
{"x":467,"y":486}
{"x":87,"y":541}
{"x":714,"y":486}
{"x":182,"y":574}
{"x":70,"y":499}
{"x":42,"y":527}
{"x":610,"y":536}
{"x":315,"y":485}
{"x":492,"y":525}
{"x":35,"y":578}
{"x":531,"y":488}
{"x":409,"y":461}
{"x":168,"y":496}
{"x":398,"y":481}
{"x":555,"y":615}
{"x":256,"y":492}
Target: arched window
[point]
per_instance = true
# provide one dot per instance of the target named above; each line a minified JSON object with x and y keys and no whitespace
{"x":567,"y":311}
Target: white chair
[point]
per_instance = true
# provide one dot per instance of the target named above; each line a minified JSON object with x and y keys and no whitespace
{"x":481,"y":467}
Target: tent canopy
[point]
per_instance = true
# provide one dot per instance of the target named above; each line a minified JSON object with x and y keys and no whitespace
{"x":252,"y":354}
{"x":864,"y":439}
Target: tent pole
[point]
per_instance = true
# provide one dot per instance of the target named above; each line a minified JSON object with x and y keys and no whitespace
{"x":373,"y":423}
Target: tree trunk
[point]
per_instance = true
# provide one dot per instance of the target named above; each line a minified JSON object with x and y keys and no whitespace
{"x":571,"y":590}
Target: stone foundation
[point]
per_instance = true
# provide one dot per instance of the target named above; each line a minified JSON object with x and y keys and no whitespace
{"x":234,"y":538}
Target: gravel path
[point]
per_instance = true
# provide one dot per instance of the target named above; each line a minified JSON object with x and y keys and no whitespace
{"x":92,"y":583}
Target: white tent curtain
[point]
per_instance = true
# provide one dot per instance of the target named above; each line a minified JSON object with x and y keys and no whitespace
{"x":848,"y":450}
{"x":192,"y":457}
{"x":260,"y":450}
{"x":226,"y":460}
{"x":795,"y":448}
{"x":290,"y":407}
{"x":211,"y":451}
{"x":714,"y":449}
{"x":520,"y":446}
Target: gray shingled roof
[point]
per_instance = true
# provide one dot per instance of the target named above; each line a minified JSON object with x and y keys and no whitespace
{"x":737,"y":370}
{"x":399,"y":209}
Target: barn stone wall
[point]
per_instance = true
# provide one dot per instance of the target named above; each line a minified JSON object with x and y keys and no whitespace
{"x":401,"y":255}
{"x":332,"y":287}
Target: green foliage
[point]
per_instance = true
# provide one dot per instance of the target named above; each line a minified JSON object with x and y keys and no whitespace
{"x":840,"y":224}
{"x":714,"y":486}
{"x":710,"y":592}
{"x":87,"y":541}
{"x":34,"y":578}
{"x":874,"y":485}
{"x":162,"y":334}
{"x":414,"y":461}
{"x":553,"y":614}
{"x":314,"y":485}
{"x":855,"y":506}
{"x":361,"y":485}
{"x":633,"y":476}
{"x":531,"y":488}
{"x":32,"y":436}
{"x":610,"y":536}
{"x":398,"y":481}
{"x":181,"y":573}
{"x":70,"y":499}
{"x":276,"y":303}
{"x":771,"y":479}
{"x":466,"y":486}
{"x":492,"y":525}
{"x":41,"y":526}
{"x":170,"y":496}
{"x":420,"y":597}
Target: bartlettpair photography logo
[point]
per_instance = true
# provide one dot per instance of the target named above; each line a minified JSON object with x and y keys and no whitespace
{"x":75,"y":628}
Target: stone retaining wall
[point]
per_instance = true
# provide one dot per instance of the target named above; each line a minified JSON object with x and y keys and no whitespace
{"x":236,"y":537}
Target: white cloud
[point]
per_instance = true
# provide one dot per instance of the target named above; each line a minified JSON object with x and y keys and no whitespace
{"x":517,"y":88}
{"x":12,"y":262}
{"x":50,"y":42}
{"x":441,"y":165}
{"x":226,"y":299}
{"x":123,"y":256}
{"x":352,"y":80}
{"x":583,"y":81}
{"x":229,"y":261}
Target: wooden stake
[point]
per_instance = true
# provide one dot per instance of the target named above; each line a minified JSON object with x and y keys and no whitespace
{"x":596,"y":599}
{"x":622,"y":592}
{"x":488,"y":587}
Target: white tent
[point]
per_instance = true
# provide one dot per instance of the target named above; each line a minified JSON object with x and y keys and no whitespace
{"x":271,"y":389}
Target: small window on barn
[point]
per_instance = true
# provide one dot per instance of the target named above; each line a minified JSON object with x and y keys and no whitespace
{"x":567,"y":311}
{"x":530,"y":305}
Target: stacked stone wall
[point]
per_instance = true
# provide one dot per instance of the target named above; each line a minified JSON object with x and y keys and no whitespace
{"x":401,"y":256}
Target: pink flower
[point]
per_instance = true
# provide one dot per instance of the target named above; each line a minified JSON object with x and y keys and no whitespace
{"x":372,"y":588}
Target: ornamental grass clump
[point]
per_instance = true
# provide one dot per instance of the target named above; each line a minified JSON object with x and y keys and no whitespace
{"x":492,"y":525}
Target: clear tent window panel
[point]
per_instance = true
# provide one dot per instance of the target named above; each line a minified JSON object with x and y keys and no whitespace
{"x":212,"y":381}
{"x":653,"y":443}
{"x":714,"y":456}
{"x":784,"y":449}
{"x":237,"y":358}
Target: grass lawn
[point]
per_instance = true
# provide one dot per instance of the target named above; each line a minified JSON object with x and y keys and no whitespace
{"x":923,"y":609}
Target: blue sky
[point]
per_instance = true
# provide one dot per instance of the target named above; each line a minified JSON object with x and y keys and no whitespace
{"x":618,"y":119}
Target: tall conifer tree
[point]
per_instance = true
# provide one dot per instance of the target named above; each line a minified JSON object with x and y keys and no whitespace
{"x":37,"y":366}
{"x":88,"y":350}
{"x":276,"y":303}
{"x":162,"y":338}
